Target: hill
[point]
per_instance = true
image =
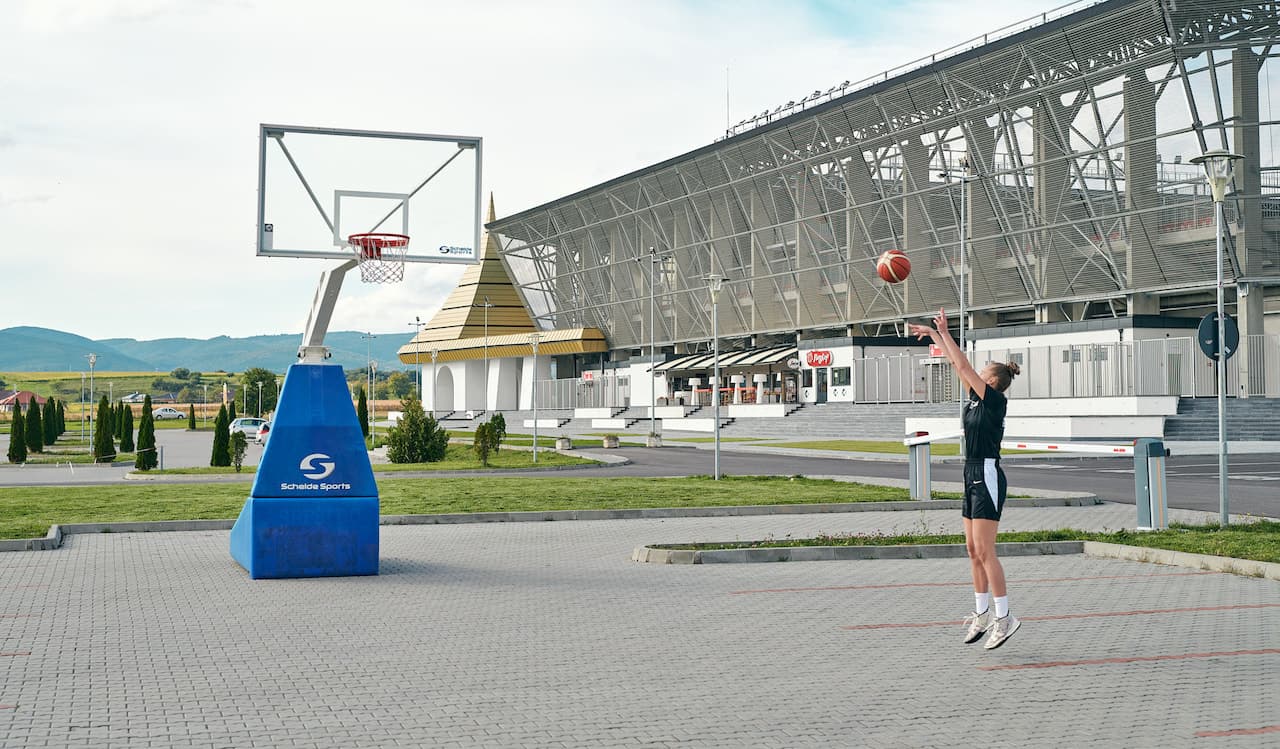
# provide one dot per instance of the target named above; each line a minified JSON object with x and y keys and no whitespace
{"x":32,"y":349}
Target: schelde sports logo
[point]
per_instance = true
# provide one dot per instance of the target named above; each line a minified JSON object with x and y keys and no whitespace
{"x":453,"y":250}
{"x":313,"y":470}
{"x":316,"y":466}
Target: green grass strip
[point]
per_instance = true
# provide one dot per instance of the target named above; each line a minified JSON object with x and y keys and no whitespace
{"x":27,"y":512}
{"x":1258,"y":541}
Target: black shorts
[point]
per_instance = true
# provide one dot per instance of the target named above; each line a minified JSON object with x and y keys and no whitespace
{"x":984,"y":490}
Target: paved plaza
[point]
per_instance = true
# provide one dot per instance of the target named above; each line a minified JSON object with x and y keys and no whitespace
{"x":546,"y":634}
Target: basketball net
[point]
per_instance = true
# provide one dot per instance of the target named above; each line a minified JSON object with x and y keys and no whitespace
{"x":380,"y":256}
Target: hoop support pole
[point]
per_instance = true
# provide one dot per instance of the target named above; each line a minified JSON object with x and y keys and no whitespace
{"x":313,"y":350}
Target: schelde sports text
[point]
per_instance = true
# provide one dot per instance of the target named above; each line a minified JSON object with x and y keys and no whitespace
{"x":286,"y":486}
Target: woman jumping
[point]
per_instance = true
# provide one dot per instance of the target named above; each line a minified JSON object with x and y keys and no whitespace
{"x":984,"y":482}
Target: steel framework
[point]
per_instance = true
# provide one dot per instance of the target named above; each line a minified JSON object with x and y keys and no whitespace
{"x":1079,"y":132}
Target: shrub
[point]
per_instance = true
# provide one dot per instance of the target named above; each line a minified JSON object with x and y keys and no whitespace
{"x":191,"y":417}
{"x":49,"y":420}
{"x":126,"y":433}
{"x":499,"y":424}
{"x":485,"y":442}
{"x":34,"y":427}
{"x":147,"y":457}
{"x":239,"y":443}
{"x":17,"y":437}
{"x":104,"y":448}
{"x":417,"y":437}
{"x":362,"y":411}
{"x":221,"y":455}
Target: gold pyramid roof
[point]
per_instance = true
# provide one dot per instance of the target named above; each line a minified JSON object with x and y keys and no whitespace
{"x":459,"y":326}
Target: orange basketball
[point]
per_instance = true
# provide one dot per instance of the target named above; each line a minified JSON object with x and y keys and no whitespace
{"x":893,"y":266}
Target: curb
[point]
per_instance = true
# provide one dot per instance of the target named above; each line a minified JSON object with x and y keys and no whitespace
{"x":844,"y":553}
{"x":56,"y":533}
{"x":1230,"y":565}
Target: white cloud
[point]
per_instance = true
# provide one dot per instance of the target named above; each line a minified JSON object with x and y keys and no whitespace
{"x":137,"y":130}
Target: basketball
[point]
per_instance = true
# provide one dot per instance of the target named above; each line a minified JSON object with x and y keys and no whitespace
{"x":893,"y":266}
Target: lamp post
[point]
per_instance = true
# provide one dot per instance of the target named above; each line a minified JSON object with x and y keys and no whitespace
{"x":487,"y":304}
{"x":373,"y":384}
{"x":715,"y":282}
{"x":417,"y":325}
{"x":964,"y":226}
{"x":1217,"y":168}
{"x":82,"y":406}
{"x":93,"y":359}
{"x":654,"y":259}
{"x":259,"y":399}
{"x":434,"y":353}
{"x":204,"y":412}
{"x":533,"y":341}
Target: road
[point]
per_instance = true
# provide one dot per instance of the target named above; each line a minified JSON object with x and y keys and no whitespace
{"x":1192,"y":479}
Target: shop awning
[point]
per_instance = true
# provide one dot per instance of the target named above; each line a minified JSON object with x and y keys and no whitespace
{"x":749,"y":358}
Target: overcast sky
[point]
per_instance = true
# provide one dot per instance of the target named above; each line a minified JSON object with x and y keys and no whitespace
{"x":128,"y":132}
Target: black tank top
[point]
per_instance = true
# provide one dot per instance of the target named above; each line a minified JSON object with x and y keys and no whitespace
{"x":983,"y":420}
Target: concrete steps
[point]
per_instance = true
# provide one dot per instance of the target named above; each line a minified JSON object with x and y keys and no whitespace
{"x":1247,"y":419}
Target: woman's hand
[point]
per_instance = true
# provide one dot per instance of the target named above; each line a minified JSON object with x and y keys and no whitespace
{"x":921,"y":331}
{"x":940,"y":320}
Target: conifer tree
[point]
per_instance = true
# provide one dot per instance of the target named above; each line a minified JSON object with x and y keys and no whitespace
{"x":62,"y":419}
{"x":17,"y":437}
{"x":49,"y":419}
{"x":126,"y":434}
{"x":362,"y":411}
{"x":231,"y":412}
{"x":191,"y":418}
{"x":147,"y":457}
{"x":104,"y":448}
{"x":119,"y":409}
{"x":34,"y":427}
{"x":221,"y":439}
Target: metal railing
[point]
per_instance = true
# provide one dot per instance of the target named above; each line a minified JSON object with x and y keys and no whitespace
{"x":575,"y":392}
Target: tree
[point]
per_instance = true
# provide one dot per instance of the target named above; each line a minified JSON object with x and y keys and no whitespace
{"x":104,"y":449}
{"x":117,"y":413}
{"x":147,"y":457}
{"x":499,"y":424}
{"x":485,"y":442}
{"x":400,"y":385}
{"x":49,"y":420}
{"x":60,"y":412}
{"x":416,"y":437}
{"x":34,"y":427}
{"x":239,"y":443}
{"x":126,"y":434}
{"x":362,"y":411}
{"x":17,"y":437}
{"x":191,"y":417}
{"x":181,"y":373}
{"x":221,"y":439}
{"x":250,"y":380}
{"x":231,"y":411}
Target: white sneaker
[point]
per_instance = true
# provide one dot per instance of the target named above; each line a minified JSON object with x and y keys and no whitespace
{"x":1002,"y":630}
{"x":976,"y":625}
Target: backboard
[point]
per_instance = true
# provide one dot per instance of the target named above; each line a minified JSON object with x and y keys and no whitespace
{"x":317,"y":186}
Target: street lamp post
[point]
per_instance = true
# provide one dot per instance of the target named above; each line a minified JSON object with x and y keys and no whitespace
{"x":1217,"y":168}
{"x":93,"y":359}
{"x":715,"y":282}
{"x":434,"y":353}
{"x":259,"y":399}
{"x":533,"y":341}
{"x":373,"y":384}
{"x":82,"y":406}
{"x":487,"y":305}
{"x":417,"y":326}
{"x":654,"y":259}
{"x":204,"y":412}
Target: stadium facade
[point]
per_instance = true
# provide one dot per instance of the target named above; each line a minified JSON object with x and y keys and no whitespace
{"x":1065,"y":144}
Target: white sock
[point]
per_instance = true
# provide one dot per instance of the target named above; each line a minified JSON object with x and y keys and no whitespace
{"x":1002,"y":606}
{"x":981,"y":601}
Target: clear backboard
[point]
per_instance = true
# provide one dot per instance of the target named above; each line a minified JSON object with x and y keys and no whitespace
{"x":318,"y":186}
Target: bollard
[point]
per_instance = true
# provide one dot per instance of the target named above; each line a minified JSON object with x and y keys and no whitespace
{"x":918,"y":466}
{"x":1150,"y":488}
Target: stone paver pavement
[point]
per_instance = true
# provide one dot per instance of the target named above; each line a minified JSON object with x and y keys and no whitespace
{"x":545,"y":634}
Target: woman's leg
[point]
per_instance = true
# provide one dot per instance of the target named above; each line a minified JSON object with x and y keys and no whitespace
{"x":976,"y":567}
{"x":981,"y":540}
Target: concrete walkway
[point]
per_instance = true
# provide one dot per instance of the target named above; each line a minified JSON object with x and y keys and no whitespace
{"x":546,"y":634}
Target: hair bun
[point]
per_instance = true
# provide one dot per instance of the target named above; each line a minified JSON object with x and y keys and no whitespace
{"x":1013,"y":368}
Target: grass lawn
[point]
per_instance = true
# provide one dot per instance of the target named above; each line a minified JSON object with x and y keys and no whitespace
{"x":29,"y":511}
{"x":866,"y":446}
{"x":1259,"y":541}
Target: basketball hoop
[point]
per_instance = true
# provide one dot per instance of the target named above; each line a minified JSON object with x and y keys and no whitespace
{"x":381,"y":256}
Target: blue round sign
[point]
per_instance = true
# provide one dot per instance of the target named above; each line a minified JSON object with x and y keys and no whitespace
{"x":1207,"y":335}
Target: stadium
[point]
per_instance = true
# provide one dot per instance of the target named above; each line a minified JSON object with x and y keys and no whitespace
{"x":1039,"y":178}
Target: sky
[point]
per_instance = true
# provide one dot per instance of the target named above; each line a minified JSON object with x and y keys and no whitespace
{"x":128,"y":135}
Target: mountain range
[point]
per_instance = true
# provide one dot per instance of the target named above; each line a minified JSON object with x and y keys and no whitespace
{"x":33,"y":349}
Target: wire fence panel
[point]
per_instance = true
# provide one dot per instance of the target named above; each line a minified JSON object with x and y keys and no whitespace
{"x":575,"y":392}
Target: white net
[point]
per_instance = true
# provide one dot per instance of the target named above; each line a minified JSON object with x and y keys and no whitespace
{"x":381,"y":256}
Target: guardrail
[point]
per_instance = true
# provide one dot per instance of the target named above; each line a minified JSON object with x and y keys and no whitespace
{"x":1150,"y":486}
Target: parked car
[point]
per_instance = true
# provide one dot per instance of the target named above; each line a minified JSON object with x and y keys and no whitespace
{"x":249,"y":426}
{"x":167,"y":413}
{"x":134,"y":398}
{"x":263,"y":431}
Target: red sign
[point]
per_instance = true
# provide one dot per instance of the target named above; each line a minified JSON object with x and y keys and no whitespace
{"x":935,"y":350}
{"x":818,"y":358}
{"x":588,"y":376}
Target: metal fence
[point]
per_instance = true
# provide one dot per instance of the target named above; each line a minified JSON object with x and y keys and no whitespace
{"x":575,"y":392}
